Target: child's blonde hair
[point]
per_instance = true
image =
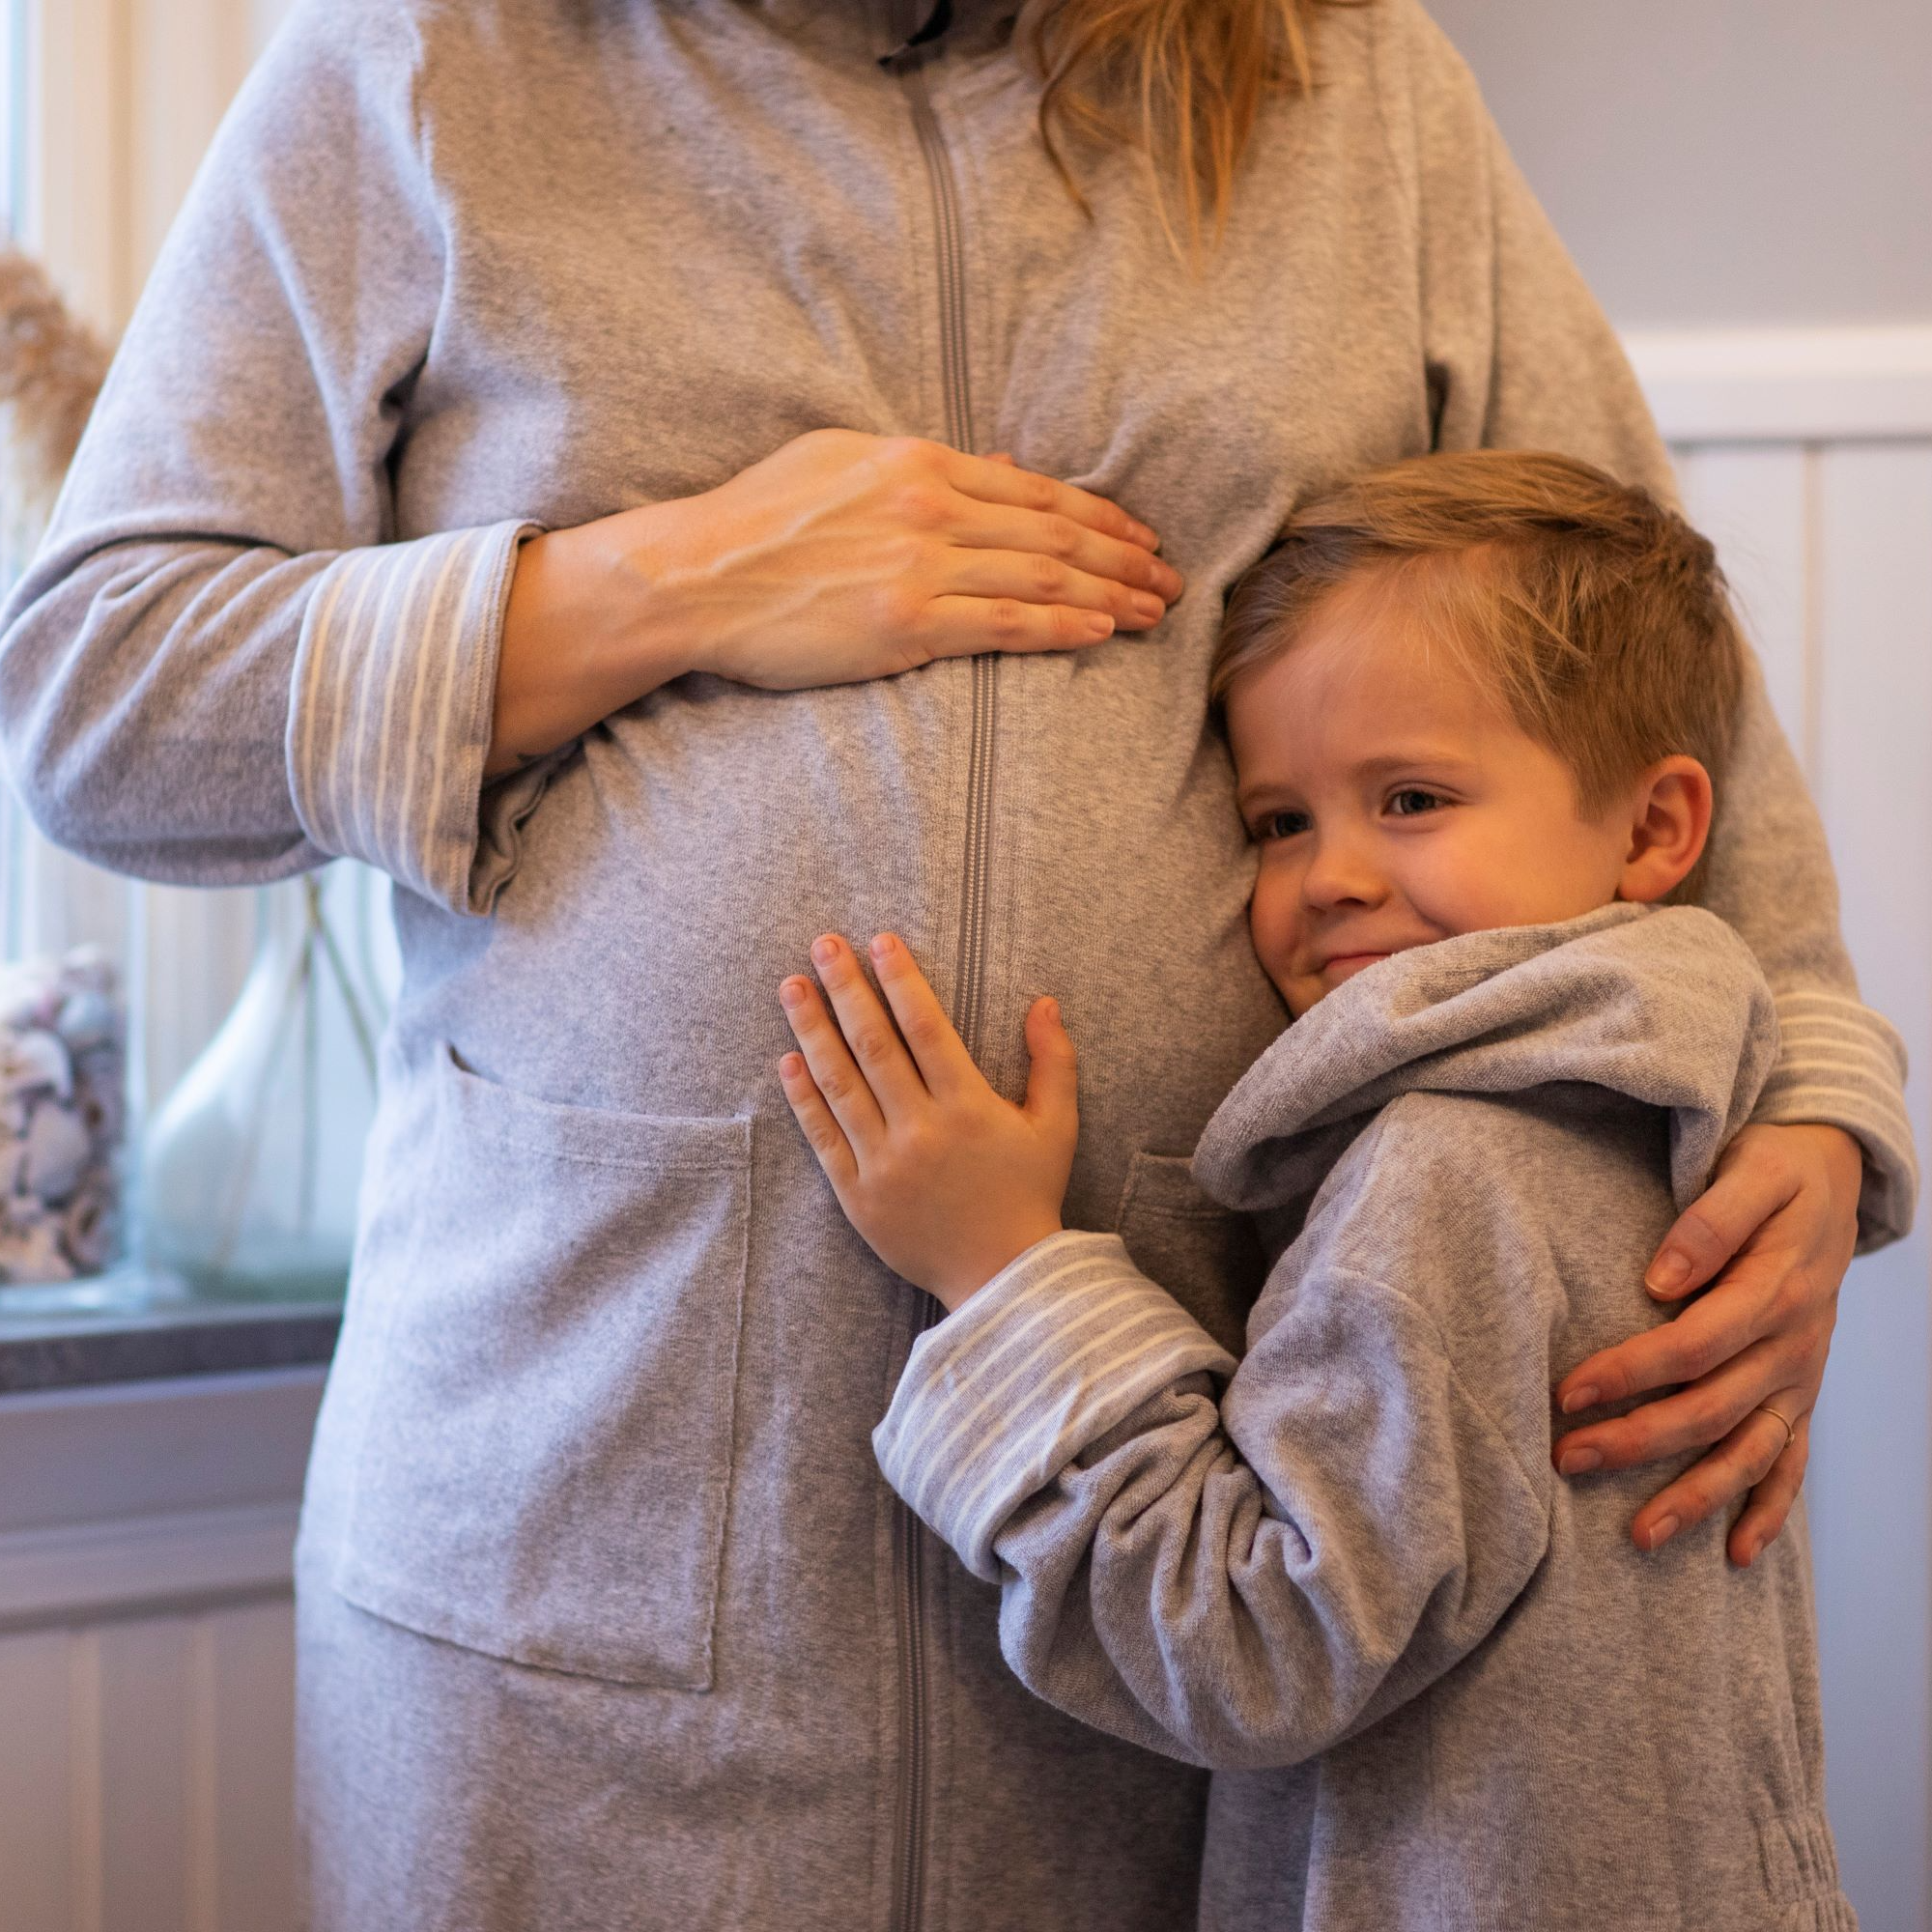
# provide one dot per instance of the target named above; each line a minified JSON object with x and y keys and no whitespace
{"x":1599,"y":615}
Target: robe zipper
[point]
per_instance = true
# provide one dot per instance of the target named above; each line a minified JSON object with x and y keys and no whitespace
{"x":914,"y":1795}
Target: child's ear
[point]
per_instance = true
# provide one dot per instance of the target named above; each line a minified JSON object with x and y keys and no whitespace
{"x":1670,"y":819}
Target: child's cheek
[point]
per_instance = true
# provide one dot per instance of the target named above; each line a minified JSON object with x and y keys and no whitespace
{"x":1274,"y":926}
{"x":1455,"y":884}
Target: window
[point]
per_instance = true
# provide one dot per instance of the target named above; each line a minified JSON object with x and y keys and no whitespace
{"x":108,"y":106}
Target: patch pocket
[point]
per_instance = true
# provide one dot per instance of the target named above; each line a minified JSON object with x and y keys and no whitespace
{"x":1205,"y":1256}
{"x":547,"y":1458}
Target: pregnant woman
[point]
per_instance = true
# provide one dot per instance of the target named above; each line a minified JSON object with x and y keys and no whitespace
{"x":559,"y":460}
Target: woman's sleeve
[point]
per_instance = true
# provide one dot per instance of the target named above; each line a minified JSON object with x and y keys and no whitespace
{"x":1521,"y":356}
{"x":1238,"y":1583}
{"x":221,"y":668}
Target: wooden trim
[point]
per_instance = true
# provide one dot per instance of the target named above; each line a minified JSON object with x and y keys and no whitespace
{"x":101,"y":1460}
{"x":1787,"y":384}
{"x":118,"y":1569}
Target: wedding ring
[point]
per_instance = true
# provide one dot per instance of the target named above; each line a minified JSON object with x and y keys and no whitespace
{"x":1789,"y":1431}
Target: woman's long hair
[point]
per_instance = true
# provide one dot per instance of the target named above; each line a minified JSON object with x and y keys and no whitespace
{"x":1180,"y":80}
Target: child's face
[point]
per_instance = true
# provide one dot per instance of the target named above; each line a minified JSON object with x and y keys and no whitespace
{"x":1396,"y":801}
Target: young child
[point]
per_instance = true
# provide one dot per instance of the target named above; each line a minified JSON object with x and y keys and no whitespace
{"x":1478,"y":705}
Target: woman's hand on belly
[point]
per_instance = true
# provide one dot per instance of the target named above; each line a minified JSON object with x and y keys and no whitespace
{"x":1775,"y":1233}
{"x":946,"y":1182}
{"x":838,"y":557}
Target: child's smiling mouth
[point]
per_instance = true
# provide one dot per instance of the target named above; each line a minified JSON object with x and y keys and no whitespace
{"x":1340,"y":966}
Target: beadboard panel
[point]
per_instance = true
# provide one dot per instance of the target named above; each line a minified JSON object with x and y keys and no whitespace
{"x":145,"y":1780}
{"x":1872,"y":1490}
{"x":1823,"y":543}
{"x":147,"y":1654}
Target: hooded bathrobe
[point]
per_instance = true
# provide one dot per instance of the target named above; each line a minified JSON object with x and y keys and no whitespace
{"x":1441,"y":1687}
{"x":605,"y":1616}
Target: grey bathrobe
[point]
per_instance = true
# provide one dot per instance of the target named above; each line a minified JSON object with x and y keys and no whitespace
{"x":606,"y":1616}
{"x":1443,"y":1689}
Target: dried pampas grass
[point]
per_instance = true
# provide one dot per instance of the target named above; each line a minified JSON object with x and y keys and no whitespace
{"x":51,"y":366}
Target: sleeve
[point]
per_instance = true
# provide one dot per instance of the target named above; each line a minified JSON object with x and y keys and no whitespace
{"x":1239,"y":1583}
{"x":223,"y":667}
{"x":1521,"y":356}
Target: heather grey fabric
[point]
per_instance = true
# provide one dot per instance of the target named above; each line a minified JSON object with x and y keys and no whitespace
{"x":453,"y":272}
{"x":1441,"y":1687}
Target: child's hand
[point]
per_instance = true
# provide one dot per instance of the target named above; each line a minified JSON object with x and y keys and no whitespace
{"x":948,"y":1182}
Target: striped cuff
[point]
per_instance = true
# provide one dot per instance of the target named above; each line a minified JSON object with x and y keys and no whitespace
{"x":1059,"y":1348}
{"x":1843,"y":1066}
{"x":391,"y":711}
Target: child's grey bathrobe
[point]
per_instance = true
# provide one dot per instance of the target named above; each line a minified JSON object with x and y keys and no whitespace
{"x":600,"y":1597}
{"x":1444,"y":1688}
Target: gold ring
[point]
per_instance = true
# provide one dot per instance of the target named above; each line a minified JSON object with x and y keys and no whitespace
{"x":1789,"y":1431}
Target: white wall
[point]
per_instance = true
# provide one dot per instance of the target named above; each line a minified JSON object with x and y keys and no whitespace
{"x":1719,"y":161}
{"x":1820,"y":537}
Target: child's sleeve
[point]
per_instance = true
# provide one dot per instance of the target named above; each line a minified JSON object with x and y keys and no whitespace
{"x":223,"y":667}
{"x":1240,"y":1581}
{"x":1521,"y":356}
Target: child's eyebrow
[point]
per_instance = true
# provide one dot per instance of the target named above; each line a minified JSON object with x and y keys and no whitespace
{"x":1387,"y":764}
{"x":1384,"y":764}
{"x":1260,"y":791}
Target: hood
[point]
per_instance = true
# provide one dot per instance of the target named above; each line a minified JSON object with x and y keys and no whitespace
{"x":1663,"y":1005}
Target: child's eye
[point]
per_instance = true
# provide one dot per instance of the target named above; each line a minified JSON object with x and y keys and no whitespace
{"x":1411,"y":800}
{"x":1281,"y":824}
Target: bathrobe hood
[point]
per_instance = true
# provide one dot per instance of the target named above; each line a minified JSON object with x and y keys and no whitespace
{"x":1664,"y":1005}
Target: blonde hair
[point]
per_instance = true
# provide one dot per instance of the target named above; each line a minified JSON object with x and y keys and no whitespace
{"x":1193,"y":75}
{"x":1596,"y":614}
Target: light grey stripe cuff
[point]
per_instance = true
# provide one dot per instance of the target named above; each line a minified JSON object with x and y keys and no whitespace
{"x":391,"y":708}
{"x":1843,"y":1066}
{"x":1055,"y":1350}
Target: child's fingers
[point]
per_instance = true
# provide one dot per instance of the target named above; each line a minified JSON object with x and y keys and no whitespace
{"x":826,"y":1138}
{"x":833,"y":1068}
{"x":1053,"y":1082}
{"x":871,"y":1036}
{"x":941,"y":1055}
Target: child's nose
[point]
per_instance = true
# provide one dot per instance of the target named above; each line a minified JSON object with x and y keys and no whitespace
{"x":1340,"y":872}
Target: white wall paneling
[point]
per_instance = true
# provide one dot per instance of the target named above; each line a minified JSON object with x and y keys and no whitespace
{"x":145,"y":1781}
{"x":1789,"y":386}
{"x":1818,"y":492}
{"x":145,"y":1654}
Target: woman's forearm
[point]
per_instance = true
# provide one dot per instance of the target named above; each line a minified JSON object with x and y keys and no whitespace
{"x":841,"y":557}
{"x":583,"y":636}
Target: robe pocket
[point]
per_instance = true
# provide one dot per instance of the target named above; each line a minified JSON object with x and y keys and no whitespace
{"x":1205,"y":1256}
{"x":546,"y":1457}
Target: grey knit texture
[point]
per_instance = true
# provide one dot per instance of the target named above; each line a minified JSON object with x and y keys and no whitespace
{"x":599,"y":1585}
{"x":1439,"y":1685}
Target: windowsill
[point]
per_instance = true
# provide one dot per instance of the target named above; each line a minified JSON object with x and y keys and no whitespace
{"x":130,"y":1327}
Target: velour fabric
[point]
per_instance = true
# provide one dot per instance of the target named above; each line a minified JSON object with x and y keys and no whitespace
{"x":604,"y":1601}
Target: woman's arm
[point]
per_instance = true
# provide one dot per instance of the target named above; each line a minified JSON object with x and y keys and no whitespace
{"x":223,"y":667}
{"x":1519,"y":355}
{"x":841,"y":557}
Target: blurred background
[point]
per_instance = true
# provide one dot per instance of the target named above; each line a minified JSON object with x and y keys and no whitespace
{"x":1747,"y":185}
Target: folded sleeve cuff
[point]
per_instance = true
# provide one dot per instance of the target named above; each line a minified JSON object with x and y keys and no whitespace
{"x":1842,"y":1064}
{"x":1059,"y":1348}
{"x":391,"y":710}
